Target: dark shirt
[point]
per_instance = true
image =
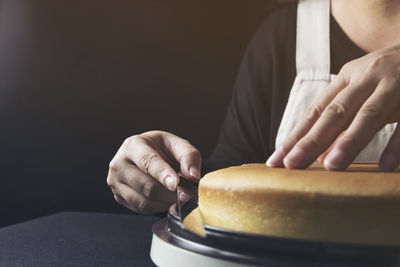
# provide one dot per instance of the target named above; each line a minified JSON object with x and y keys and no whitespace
{"x":262,"y":87}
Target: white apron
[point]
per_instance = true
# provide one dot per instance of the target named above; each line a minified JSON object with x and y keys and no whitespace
{"x":313,"y":74}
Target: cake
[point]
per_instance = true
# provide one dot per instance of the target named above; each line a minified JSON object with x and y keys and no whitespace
{"x":359,"y":205}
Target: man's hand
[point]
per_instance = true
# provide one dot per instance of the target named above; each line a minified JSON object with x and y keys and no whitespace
{"x":142,"y":174}
{"x":363,"y":98}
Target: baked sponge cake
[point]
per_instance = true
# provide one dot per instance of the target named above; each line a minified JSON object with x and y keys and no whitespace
{"x":359,"y":205}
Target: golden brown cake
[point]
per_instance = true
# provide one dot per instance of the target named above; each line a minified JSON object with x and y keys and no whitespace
{"x":359,"y":205}
{"x":194,"y":223}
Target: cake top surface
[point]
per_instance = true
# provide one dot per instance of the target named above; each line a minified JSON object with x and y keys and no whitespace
{"x":359,"y":180}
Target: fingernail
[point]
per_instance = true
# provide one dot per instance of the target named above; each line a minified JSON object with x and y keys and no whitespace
{"x":170,"y":182}
{"x":184,"y":197}
{"x":295,"y":158}
{"x":275,"y":160}
{"x":389,"y":162}
{"x":195,"y":172}
{"x":335,"y":160}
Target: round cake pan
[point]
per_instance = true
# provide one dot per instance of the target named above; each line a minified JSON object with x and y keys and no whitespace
{"x":262,"y":250}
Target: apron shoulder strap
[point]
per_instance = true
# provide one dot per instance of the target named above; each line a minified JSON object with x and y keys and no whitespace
{"x":313,"y":42}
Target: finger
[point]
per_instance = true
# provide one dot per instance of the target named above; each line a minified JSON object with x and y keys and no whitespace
{"x":390,"y":158}
{"x":372,"y":116}
{"x":308,"y":120}
{"x":187,"y":155}
{"x":322,"y":157}
{"x":144,"y":184}
{"x":333,"y":121}
{"x":118,"y":199}
{"x":136,"y":202}
{"x":149,"y":161}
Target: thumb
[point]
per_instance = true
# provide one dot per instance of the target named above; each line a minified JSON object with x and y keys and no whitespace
{"x":188,"y":157}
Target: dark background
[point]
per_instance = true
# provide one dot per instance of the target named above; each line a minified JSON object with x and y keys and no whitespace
{"x":78,"y":77}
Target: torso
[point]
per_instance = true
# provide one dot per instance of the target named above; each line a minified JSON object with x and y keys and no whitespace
{"x":260,"y":97}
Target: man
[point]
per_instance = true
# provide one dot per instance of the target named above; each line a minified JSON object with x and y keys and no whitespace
{"x":288,"y":96}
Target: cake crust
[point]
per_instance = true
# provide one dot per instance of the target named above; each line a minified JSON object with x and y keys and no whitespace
{"x":360,"y":205}
{"x":357,"y":181}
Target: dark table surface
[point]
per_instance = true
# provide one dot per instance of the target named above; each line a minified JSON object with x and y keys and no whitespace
{"x":78,"y":239}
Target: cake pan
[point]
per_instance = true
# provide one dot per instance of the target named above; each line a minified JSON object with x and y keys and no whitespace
{"x":263,"y":250}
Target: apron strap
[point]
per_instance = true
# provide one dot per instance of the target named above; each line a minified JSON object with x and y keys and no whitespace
{"x":313,"y":42}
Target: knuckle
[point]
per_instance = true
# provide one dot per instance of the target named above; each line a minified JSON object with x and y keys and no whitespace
{"x":130,"y":141}
{"x":335,"y":111}
{"x":311,"y":140}
{"x":190,"y":156}
{"x":113,"y":166}
{"x":193,"y":153}
{"x":372,"y":111}
{"x":290,"y":141}
{"x":110,"y":182}
{"x":148,"y":189}
{"x":377,"y":60}
{"x":154,"y":133}
{"x":147,"y":160}
{"x":346,"y":68}
{"x":185,"y":141}
{"x":313,"y":112}
{"x":346,"y":73}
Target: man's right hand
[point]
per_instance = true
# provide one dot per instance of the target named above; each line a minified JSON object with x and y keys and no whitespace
{"x":142,"y":174}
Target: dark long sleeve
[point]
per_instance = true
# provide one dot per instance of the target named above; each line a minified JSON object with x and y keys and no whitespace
{"x":249,"y":129}
{"x":240,"y":141}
